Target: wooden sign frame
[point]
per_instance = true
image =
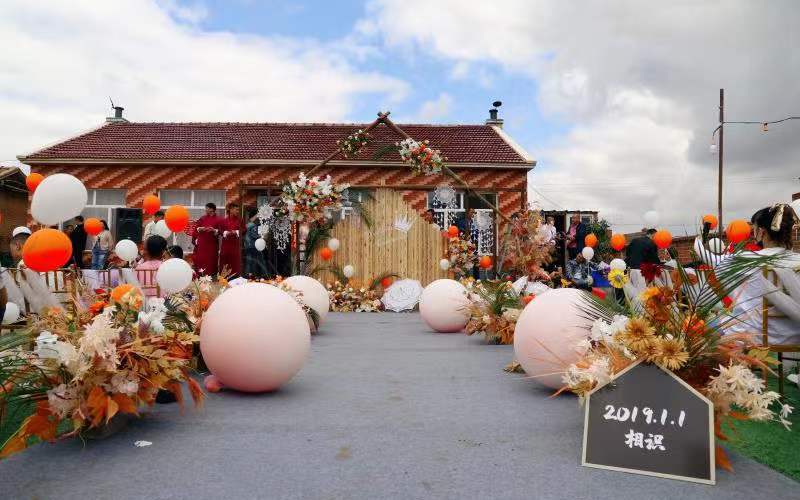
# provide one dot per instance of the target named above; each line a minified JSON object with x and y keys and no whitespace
{"x":711,"y":440}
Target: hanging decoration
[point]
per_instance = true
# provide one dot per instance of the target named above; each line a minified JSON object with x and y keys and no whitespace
{"x":445,"y":196}
{"x":352,"y":144}
{"x":281,"y":232}
{"x":483,"y":230}
{"x":264,"y":216}
{"x":308,"y":199}
{"x":420,"y":157}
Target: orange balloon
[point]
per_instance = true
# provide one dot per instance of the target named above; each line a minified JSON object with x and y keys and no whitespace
{"x":738,"y":231}
{"x":590,"y":240}
{"x":711,"y":220}
{"x":452,"y":231}
{"x":326,"y":253}
{"x":485,"y":262}
{"x":618,"y":242}
{"x":93,"y":226}
{"x":386,"y":282}
{"x":662,"y":238}
{"x":151,"y":204}
{"x":176,"y":218}
{"x":47,"y":250}
{"x":32,"y":181}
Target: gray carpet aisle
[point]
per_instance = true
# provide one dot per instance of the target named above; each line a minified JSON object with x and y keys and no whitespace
{"x":383,"y":409}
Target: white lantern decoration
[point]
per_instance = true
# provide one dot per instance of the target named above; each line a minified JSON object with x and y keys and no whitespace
{"x":618,"y":265}
{"x":58,"y":198}
{"x":588,"y":253}
{"x":444,"y":264}
{"x":716,"y":245}
{"x":46,"y":346}
{"x":281,"y":232}
{"x":348,"y":271}
{"x":126,"y":250}
{"x":174,"y":275}
{"x":333,"y":244}
{"x":651,"y":218}
{"x":12,"y":313}
{"x":161,"y":229}
{"x":445,"y":197}
{"x":261,"y":244}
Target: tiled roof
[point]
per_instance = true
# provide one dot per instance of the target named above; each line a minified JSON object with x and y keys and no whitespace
{"x":466,"y":144}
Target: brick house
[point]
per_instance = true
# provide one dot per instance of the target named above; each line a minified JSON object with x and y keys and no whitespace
{"x":193,"y":163}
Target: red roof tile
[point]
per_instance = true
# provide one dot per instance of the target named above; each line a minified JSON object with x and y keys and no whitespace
{"x":467,"y":144}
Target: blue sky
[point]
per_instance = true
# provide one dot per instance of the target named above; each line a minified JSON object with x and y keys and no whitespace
{"x":616,"y":100}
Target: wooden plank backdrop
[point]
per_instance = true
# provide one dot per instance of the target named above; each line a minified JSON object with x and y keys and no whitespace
{"x":414,"y":254}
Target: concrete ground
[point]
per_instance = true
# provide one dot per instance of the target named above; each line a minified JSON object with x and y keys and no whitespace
{"x":383,"y":409}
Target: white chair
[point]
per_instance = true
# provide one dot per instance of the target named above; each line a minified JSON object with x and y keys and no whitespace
{"x":781,"y":301}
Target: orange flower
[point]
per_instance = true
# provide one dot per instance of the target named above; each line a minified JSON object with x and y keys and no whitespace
{"x":694,"y":326}
{"x":97,"y":307}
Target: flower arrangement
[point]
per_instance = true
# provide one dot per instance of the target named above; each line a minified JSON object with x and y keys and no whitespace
{"x":680,"y":327}
{"x":308,"y":199}
{"x":347,"y":298}
{"x":106,"y":360}
{"x":494,"y":309}
{"x":420,"y":157}
{"x":352,"y":144}
{"x":524,"y":248}
{"x":462,"y":256}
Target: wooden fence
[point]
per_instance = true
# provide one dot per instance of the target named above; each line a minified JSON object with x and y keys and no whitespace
{"x":414,"y":254}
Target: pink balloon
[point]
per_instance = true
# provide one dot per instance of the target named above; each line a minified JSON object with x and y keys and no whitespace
{"x":212,"y":383}
{"x":547,"y":333}
{"x":444,"y":306}
{"x":254,"y":337}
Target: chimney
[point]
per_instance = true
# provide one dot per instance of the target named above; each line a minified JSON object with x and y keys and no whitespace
{"x":493,"y":119}
{"x":117,"y":115}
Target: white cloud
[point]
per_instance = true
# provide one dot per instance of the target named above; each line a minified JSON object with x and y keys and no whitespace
{"x":435,"y":109}
{"x":64,"y":60}
{"x":638,"y":82}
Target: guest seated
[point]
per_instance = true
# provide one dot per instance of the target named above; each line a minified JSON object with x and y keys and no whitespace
{"x":579,"y":271}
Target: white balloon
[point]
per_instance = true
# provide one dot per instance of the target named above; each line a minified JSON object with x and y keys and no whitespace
{"x":444,"y":306}
{"x":651,"y":218}
{"x":174,"y":275}
{"x":444,"y":264}
{"x":348,"y":271}
{"x":716,"y":245}
{"x":333,"y":244}
{"x":58,"y":198}
{"x":315,"y":295}
{"x":126,"y":250}
{"x":261,"y":244}
{"x":588,"y":253}
{"x":618,"y":264}
{"x":162,"y":230}
{"x":12,"y":313}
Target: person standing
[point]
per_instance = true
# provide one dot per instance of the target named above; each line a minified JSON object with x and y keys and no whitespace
{"x":575,"y":236}
{"x":149,"y":229}
{"x":206,"y":242}
{"x":642,"y":250}
{"x":102,"y":247}
{"x":78,"y":239}
{"x":230,"y":253}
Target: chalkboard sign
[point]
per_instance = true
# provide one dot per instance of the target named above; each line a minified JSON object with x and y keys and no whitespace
{"x":649,"y":421}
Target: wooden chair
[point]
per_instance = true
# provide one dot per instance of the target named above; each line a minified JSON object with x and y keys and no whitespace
{"x":778,"y":303}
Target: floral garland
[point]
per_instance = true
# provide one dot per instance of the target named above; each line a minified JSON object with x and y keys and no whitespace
{"x":462,"y":256}
{"x":310,"y":199}
{"x":346,"y":298}
{"x":352,"y":144}
{"x":107,"y":360}
{"x":420,"y":157}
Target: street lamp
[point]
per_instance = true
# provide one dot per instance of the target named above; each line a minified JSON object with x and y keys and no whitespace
{"x":717,"y":145}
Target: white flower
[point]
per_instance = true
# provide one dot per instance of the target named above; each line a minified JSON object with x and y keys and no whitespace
{"x":62,"y":400}
{"x":99,"y":339}
{"x":67,"y":356}
{"x":511,"y":315}
{"x":583,"y":346}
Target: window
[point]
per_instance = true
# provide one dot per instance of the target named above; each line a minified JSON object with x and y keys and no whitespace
{"x":446,"y":216}
{"x":195,"y":201}
{"x":102,"y":202}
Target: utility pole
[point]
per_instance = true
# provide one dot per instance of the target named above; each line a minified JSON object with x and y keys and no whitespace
{"x":720,"y":227}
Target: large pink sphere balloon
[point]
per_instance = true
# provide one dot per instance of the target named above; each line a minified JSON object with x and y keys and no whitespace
{"x":315,"y":295}
{"x":444,"y":306}
{"x":254,"y":337}
{"x":547,"y":333}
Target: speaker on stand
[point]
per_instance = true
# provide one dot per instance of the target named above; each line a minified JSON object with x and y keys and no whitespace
{"x":128,"y":224}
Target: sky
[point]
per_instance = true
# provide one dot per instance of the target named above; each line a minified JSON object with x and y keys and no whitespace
{"x":616,"y":100}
